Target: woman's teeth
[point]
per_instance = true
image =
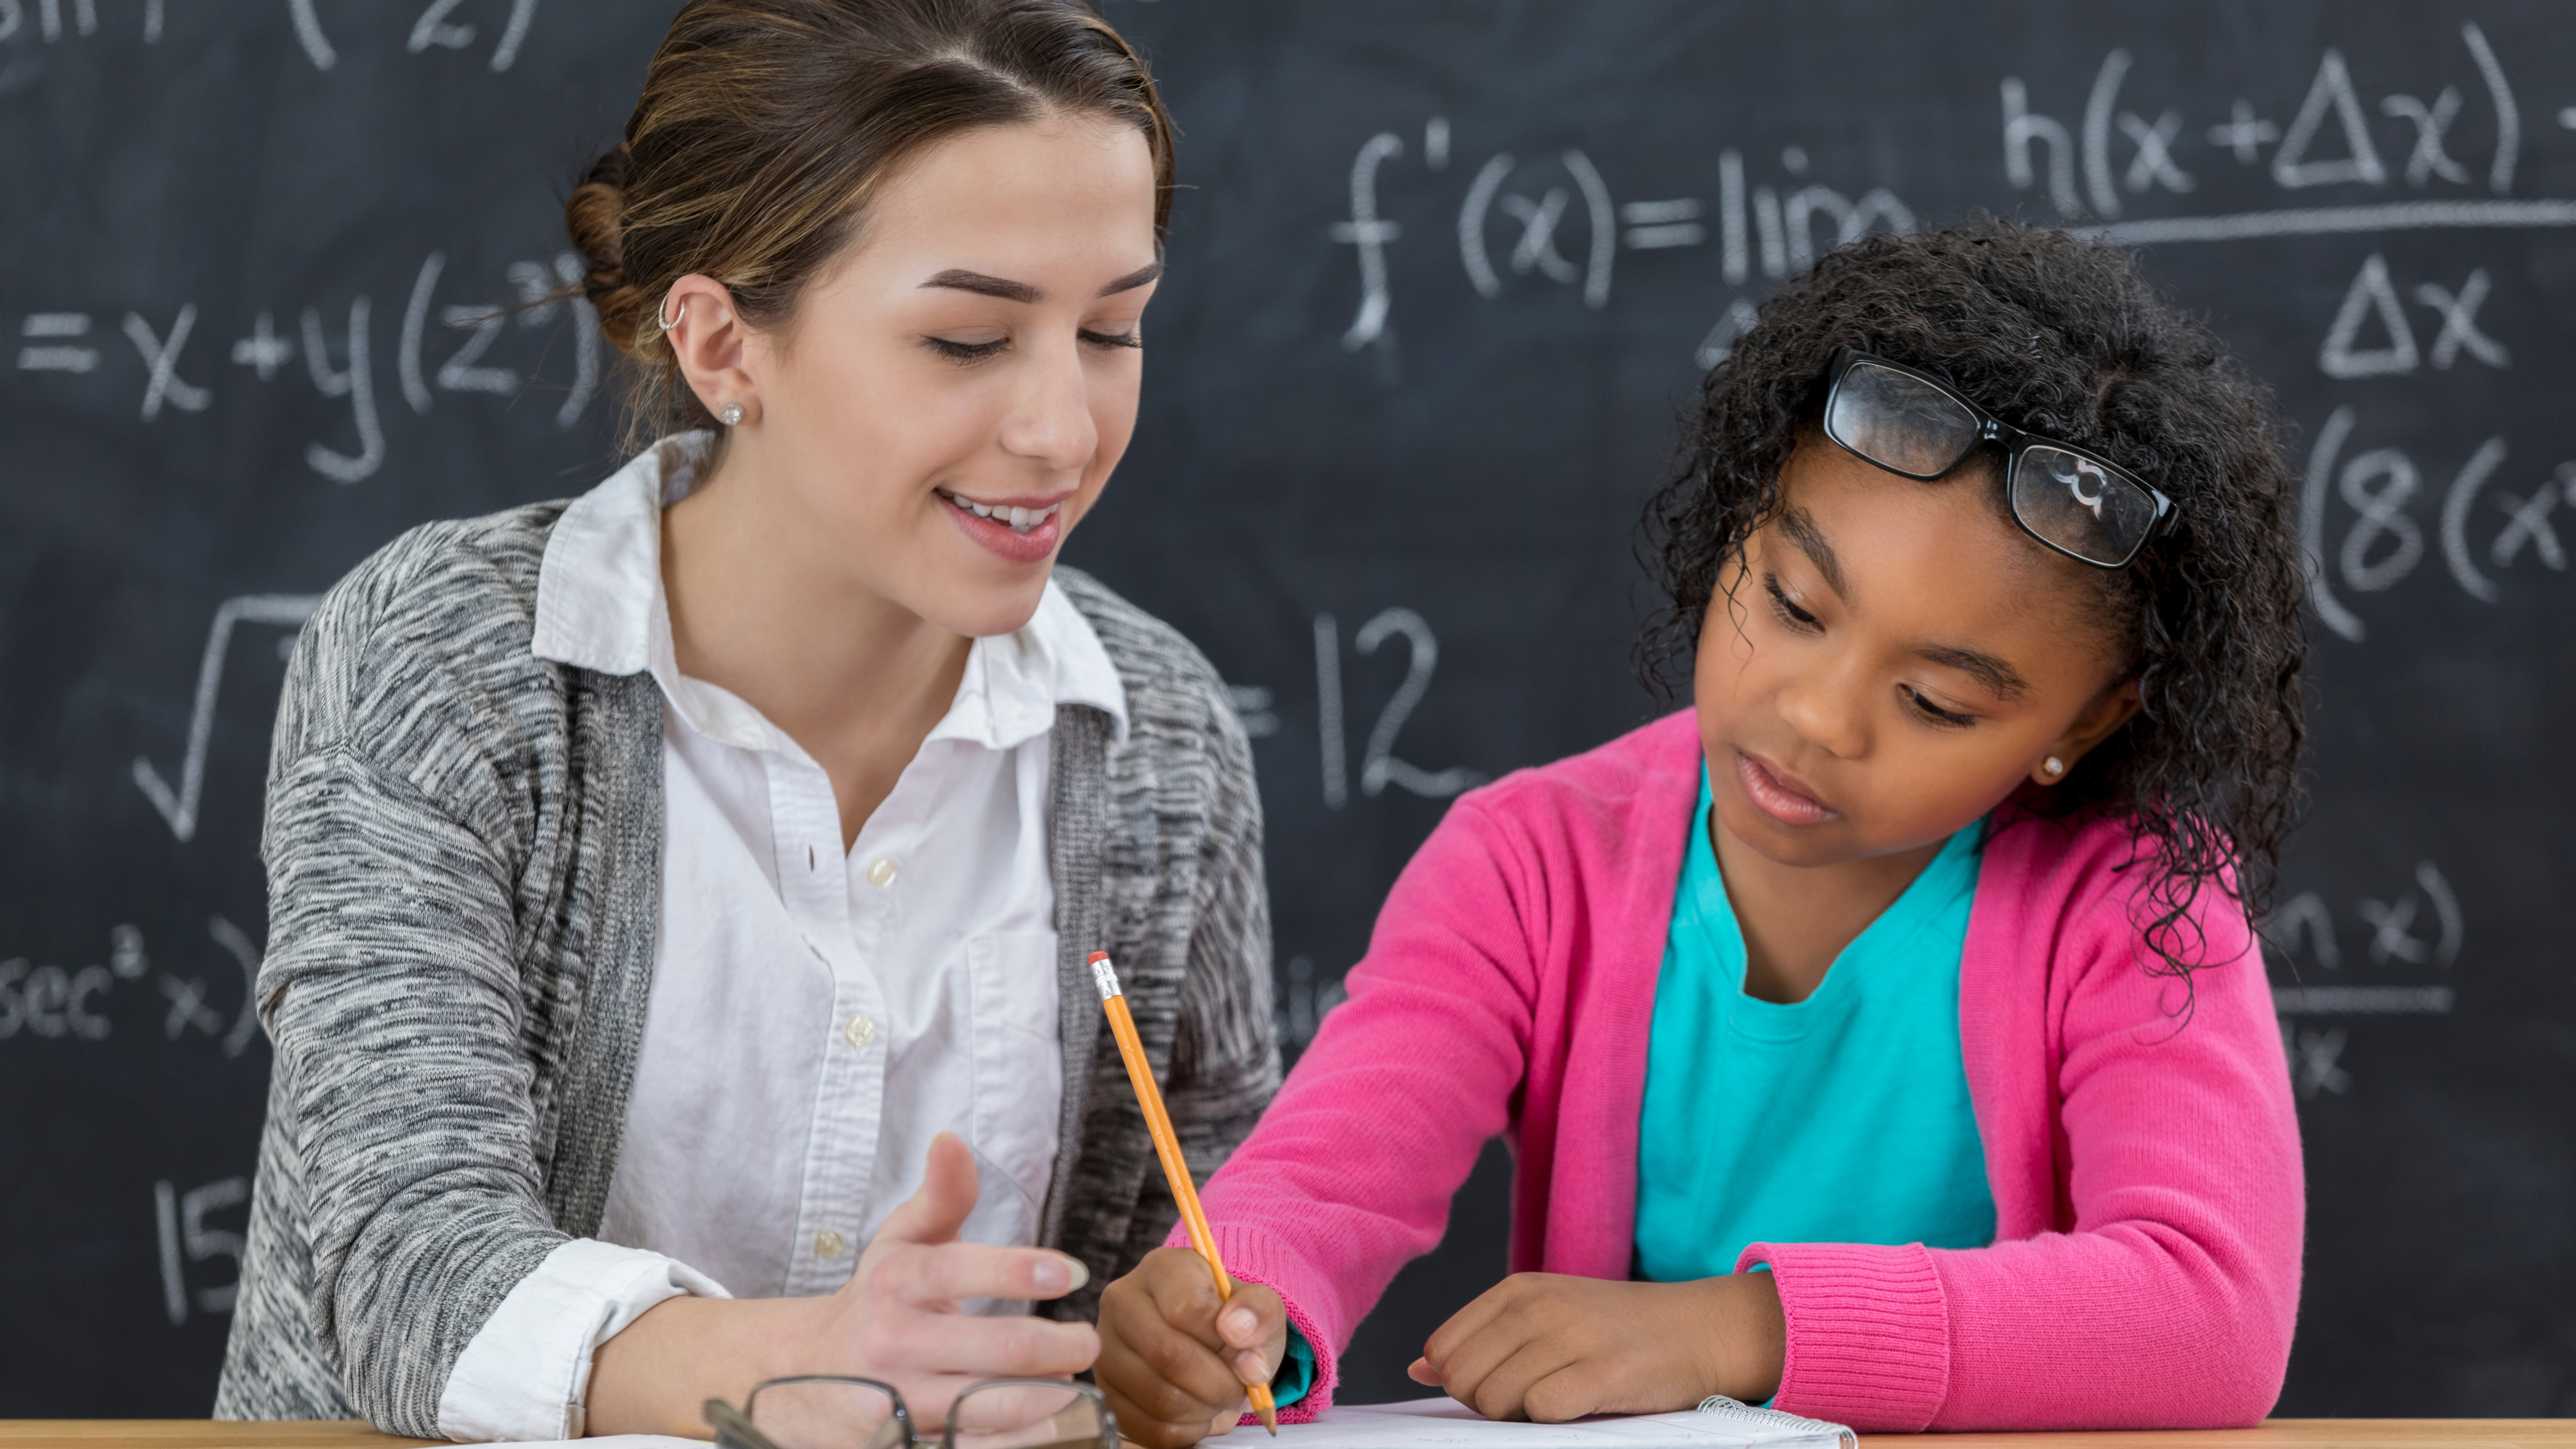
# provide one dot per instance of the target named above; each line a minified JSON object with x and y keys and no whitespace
{"x":1020,"y":520}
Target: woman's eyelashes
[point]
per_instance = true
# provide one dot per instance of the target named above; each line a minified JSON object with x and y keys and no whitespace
{"x":963,"y":353}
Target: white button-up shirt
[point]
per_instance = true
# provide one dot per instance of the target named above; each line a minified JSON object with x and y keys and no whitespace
{"x":816,"y":1015}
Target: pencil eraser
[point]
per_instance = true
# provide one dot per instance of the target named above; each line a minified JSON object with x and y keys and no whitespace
{"x":1104,"y":975}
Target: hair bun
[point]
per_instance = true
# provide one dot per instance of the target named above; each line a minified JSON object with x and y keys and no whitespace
{"x":595,"y":216}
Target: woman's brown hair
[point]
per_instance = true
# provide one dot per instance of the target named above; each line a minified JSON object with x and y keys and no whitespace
{"x":765,"y":125}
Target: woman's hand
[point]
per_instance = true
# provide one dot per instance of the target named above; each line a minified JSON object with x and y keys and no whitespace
{"x":1172,"y":1366}
{"x":896,"y":1319}
{"x":1549,"y":1348}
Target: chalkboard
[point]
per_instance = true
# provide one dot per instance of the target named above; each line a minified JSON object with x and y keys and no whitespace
{"x":1442,"y":278}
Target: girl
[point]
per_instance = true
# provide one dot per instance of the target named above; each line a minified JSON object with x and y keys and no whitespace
{"x":675,"y":889}
{"x":1887,"y":1033}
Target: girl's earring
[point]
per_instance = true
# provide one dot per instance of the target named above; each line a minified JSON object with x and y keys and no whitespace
{"x":2054,"y":766}
{"x":731,"y":415}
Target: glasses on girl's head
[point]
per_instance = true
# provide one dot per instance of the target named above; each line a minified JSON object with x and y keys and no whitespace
{"x":821,"y":1411}
{"x":1913,"y":424}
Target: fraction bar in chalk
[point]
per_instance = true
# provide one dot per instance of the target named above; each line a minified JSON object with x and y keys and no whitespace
{"x":55,"y":324}
{"x":1679,"y":234}
{"x":1648,"y":213}
{"x":57,"y":359}
{"x":2332,"y":220}
{"x":2362,"y":1000}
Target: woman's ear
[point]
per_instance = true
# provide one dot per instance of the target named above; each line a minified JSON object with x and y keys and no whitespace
{"x":708,"y":338}
{"x":2109,"y":710}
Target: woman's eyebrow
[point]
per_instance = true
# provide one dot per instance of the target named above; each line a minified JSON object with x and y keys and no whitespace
{"x":1010,"y":291}
{"x":982,"y":285}
{"x":1134,"y":279}
{"x":2004,"y":681}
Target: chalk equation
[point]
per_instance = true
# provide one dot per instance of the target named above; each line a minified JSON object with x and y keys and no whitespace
{"x":436,"y":27}
{"x":2422,"y":927}
{"x":76,"y":1003}
{"x":2487,"y":520}
{"x":341,"y":350}
{"x":1554,"y":219}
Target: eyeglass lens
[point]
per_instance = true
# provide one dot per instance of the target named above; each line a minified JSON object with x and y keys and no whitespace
{"x":1899,"y":422}
{"x":2072,"y":502}
{"x":826,"y":1414}
{"x":1024,"y":1416}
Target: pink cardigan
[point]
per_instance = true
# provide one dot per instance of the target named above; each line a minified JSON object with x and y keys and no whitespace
{"x":2146,"y":1172}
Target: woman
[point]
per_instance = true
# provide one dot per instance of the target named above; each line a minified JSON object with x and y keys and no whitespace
{"x":676,"y":889}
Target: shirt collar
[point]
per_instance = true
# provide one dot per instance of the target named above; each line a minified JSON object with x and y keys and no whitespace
{"x":600,"y":606}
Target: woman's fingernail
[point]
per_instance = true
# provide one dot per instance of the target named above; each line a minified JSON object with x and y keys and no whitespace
{"x":1239,"y":1323}
{"x":1059,"y":1274}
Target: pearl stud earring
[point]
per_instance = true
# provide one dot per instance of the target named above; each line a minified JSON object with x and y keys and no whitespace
{"x":2054,"y":766}
{"x":730,"y":414}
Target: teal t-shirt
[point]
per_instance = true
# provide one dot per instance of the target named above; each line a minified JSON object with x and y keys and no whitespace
{"x":1843,"y":1118}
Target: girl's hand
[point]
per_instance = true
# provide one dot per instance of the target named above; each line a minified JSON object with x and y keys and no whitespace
{"x":896,"y":1319}
{"x":1172,"y":1366}
{"x":1549,"y":1348}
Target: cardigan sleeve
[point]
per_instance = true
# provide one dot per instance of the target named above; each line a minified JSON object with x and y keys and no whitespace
{"x":1351,"y":1172}
{"x":391,"y":993}
{"x":2166,"y":1294}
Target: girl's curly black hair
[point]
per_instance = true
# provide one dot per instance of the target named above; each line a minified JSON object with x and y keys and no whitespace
{"x":2062,"y":337}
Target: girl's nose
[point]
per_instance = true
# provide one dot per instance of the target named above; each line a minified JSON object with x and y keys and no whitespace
{"x":1828,"y":710}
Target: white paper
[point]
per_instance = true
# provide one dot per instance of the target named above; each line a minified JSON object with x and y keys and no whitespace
{"x":616,"y":1441}
{"x":1440,"y":1423}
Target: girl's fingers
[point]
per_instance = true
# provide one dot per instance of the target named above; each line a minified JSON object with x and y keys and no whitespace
{"x":1504,"y":1392}
{"x":1172,"y":1377}
{"x":1568,"y":1394}
{"x":1470,"y":1359}
{"x":1467,"y":1322}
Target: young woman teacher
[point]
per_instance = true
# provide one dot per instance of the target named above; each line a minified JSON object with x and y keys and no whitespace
{"x":684,"y":891}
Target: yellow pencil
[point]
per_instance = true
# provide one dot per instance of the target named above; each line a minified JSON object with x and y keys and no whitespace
{"x":1176,"y":1169}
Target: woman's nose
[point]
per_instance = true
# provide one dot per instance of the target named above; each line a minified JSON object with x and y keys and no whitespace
{"x":1050,"y":421}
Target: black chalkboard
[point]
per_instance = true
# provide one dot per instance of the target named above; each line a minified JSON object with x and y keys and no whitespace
{"x":1444,"y":275}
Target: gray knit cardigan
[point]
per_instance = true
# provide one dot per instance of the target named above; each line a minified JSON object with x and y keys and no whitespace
{"x":464,"y":846}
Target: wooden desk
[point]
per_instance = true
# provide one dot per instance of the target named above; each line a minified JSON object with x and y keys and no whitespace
{"x":2277,"y":1434}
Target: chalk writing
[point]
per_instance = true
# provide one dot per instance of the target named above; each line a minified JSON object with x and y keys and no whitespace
{"x":1379,"y":766}
{"x":2386,"y":542}
{"x":179,"y":807}
{"x":187,"y":1239}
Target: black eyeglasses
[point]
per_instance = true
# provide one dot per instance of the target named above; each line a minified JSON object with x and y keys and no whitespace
{"x":823,"y":1411}
{"x":1916,"y":426}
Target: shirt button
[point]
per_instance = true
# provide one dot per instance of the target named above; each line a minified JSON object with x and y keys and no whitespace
{"x":827,"y":1244}
{"x":858,"y":1033}
{"x":881,"y":873}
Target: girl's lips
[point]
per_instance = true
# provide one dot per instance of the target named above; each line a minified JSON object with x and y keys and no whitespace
{"x":1776,"y":797}
{"x":1035,"y":545}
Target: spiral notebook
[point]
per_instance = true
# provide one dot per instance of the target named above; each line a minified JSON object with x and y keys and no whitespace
{"x":1444,"y":1423}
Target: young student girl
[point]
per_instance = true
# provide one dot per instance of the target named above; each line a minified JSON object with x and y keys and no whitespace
{"x":685,"y":890}
{"x":1885,"y":1036}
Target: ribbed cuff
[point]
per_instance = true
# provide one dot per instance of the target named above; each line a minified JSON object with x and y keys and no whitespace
{"x":1255,"y":1257}
{"x":1869,"y":1333}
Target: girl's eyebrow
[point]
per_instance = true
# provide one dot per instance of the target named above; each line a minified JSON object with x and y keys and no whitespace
{"x":1996,"y":675}
{"x":1800,"y":529}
